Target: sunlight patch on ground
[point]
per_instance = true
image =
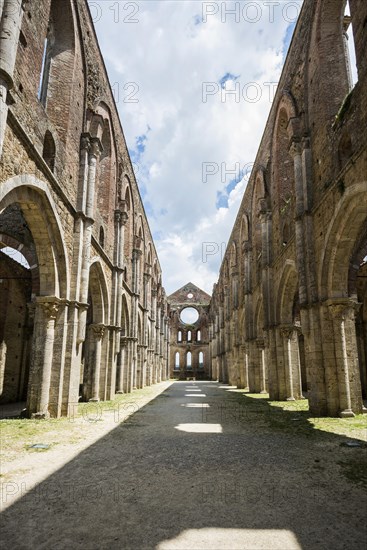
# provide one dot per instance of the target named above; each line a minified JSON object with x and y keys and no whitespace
{"x":232,"y":539}
{"x":200,"y":428}
{"x":189,"y":405}
{"x":195,"y":395}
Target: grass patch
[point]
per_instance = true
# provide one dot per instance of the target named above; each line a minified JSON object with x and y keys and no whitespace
{"x":294,"y":417}
{"x":18,"y":434}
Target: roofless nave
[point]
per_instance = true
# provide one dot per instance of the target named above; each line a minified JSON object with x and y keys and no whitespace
{"x":90,"y":317}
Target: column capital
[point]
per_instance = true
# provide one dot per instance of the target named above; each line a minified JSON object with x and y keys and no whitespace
{"x":121,"y":216}
{"x":295,"y":148}
{"x":137,"y":252}
{"x":50,"y":306}
{"x":343,"y":309}
{"x":118,"y":216}
{"x":95,"y":147}
{"x":260,"y":342}
{"x":98,"y":330}
{"x":288,"y":330}
{"x":85,"y":142}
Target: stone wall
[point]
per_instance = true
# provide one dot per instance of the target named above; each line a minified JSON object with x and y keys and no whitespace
{"x":190,"y":337}
{"x":286,"y":305}
{"x":100,"y":312}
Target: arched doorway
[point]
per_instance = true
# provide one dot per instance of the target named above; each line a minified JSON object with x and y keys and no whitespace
{"x":290,"y":336}
{"x":42,"y":290}
{"x":94,"y":354}
{"x":343,"y":291}
{"x":123,"y":354}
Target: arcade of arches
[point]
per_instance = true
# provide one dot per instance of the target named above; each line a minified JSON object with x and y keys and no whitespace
{"x":84,"y":313}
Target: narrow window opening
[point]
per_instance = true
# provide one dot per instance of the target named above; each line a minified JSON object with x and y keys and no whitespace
{"x":201,"y":360}
{"x":45,"y":72}
{"x":177,"y":360}
{"x":198,"y":336}
{"x":101,"y":237}
{"x":349,"y":46}
{"x":189,"y":335}
{"x":179,"y":336}
{"x":49,"y":150}
{"x":189,"y":360}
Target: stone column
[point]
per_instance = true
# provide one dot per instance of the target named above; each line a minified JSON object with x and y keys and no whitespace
{"x":274,"y":382}
{"x":296,"y":152}
{"x":343,"y":314}
{"x":94,"y":152}
{"x":121,"y":219}
{"x":292,"y":363}
{"x":121,"y":366}
{"x":254,"y":367}
{"x":263,"y":377}
{"x":10,"y":25}
{"x":43,"y":349}
{"x":98,"y":332}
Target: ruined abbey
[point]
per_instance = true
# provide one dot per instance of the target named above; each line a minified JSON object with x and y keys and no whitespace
{"x":87,"y":317}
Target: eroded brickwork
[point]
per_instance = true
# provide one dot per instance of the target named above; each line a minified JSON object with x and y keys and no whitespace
{"x":94,"y":322}
{"x":288,"y":313}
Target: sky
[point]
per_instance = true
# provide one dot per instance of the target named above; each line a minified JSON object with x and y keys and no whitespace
{"x":193,"y":82}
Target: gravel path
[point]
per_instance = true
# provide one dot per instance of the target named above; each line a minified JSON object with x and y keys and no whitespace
{"x":190,"y":471}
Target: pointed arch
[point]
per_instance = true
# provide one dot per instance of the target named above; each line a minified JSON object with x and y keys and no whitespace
{"x":58,"y":65}
{"x":287,"y":294}
{"x":340,"y":241}
{"x":98,"y":291}
{"x":125,"y":317}
{"x":245,"y":229}
{"x":40,"y":213}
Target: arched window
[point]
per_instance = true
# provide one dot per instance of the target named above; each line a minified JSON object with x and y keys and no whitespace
{"x":189,"y":360}
{"x":128,"y":244}
{"x":233,"y":256}
{"x":283,"y":173}
{"x":49,"y":150}
{"x":201,"y":360}
{"x":57,"y":69}
{"x":349,"y":46}
{"x":177,"y":360}
{"x":179,"y":336}
{"x":45,"y":70}
{"x":101,"y":236}
{"x":198,"y":336}
{"x":189,"y":335}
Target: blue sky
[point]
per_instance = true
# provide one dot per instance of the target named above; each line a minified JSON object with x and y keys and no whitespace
{"x":193,"y":89}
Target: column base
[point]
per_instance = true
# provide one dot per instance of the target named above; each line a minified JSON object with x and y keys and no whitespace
{"x":40,"y":415}
{"x":290,"y":399}
{"x":347,"y":413}
{"x":94,"y":400}
{"x":120,"y":392}
{"x":263,"y":391}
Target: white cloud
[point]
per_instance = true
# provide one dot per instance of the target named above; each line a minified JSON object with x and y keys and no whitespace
{"x":170,"y":54}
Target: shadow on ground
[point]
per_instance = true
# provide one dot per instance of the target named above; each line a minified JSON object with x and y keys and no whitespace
{"x":198,"y":470}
